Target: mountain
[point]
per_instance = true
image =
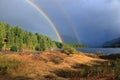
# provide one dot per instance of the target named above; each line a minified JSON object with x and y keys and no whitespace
{"x":115,"y":43}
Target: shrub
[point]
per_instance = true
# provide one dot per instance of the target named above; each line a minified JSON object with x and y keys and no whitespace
{"x":14,"y":48}
{"x":117,"y":70}
{"x":59,"y":45}
{"x":69,"y":50}
{"x":6,"y":64}
{"x":79,"y":66}
{"x":57,"y":60}
{"x":1,"y":45}
{"x":68,"y":73}
{"x":91,"y":71}
{"x":85,"y":72}
{"x":38,"y":48}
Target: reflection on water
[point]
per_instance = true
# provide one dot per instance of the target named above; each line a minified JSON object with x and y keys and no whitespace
{"x":97,"y":50}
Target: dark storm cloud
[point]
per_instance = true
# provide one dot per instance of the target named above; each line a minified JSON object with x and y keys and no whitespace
{"x":95,"y":21}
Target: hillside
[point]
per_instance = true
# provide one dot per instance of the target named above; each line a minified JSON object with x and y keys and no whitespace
{"x":115,"y":43}
{"x":44,"y":66}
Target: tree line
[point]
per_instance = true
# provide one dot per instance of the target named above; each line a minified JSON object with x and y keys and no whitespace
{"x":16,"y":36}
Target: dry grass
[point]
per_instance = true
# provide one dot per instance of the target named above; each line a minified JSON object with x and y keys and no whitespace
{"x":42,"y":65}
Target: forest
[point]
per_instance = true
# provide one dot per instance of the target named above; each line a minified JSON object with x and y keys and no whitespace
{"x":15,"y":36}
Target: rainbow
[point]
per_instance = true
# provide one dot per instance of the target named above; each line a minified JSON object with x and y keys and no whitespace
{"x":69,"y":21}
{"x":47,"y":18}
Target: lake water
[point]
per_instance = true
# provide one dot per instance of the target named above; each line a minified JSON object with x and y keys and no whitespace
{"x":97,"y":50}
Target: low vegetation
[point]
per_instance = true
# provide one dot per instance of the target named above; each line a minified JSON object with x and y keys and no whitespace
{"x":68,"y":73}
{"x":116,"y":70}
{"x":57,"y":60}
{"x":69,"y":50}
{"x":52,"y":66}
{"x":1,"y":45}
{"x":14,"y":48}
{"x":102,"y":71}
{"x":7,"y":63}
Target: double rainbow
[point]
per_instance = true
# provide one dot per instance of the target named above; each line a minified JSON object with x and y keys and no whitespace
{"x":46,"y":17}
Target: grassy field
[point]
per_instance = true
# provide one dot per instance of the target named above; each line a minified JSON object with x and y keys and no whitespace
{"x":58,"y":66}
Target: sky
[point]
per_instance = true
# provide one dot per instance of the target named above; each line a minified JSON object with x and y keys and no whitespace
{"x":90,"y":22}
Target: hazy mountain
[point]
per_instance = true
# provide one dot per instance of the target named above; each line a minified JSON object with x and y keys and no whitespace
{"x":113,"y":43}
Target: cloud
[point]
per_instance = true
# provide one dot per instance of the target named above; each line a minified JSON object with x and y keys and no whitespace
{"x":19,"y":12}
{"x":93,"y":20}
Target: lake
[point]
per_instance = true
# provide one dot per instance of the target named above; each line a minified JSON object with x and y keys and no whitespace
{"x":97,"y":50}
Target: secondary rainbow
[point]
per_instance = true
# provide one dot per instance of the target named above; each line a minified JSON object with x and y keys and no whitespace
{"x":46,"y":17}
{"x":69,"y":20}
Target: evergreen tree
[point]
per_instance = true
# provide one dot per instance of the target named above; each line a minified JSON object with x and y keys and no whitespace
{"x":15,"y":36}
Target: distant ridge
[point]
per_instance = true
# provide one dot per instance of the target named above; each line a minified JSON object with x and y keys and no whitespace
{"x":115,"y":43}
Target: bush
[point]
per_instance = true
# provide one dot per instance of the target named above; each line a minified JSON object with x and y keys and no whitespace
{"x":38,"y":48}
{"x":68,"y":73}
{"x":80,"y":66}
{"x":6,"y":64}
{"x":69,"y":50}
{"x":92,"y":71}
{"x":1,"y":45}
{"x":57,"y":60}
{"x":14,"y":48}
{"x":117,"y":70}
